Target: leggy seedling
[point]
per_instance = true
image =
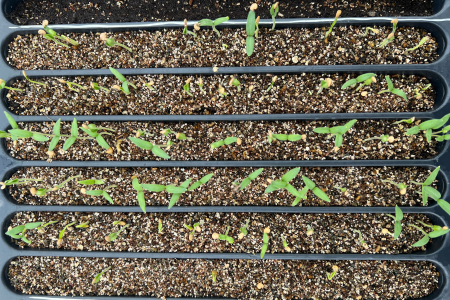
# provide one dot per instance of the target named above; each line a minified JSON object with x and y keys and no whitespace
{"x":422,"y":41}
{"x":113,"y":236}
{"x":338,"y":131}
{"x":391,"y":36}
{"x":364,"y":79}
{"x":401,"y":186}
{"x":101,"y":192}
{"x":250,"y":177}
{"x":99,"y":275}
{"x":437,"y":231}
{"x":228,"y":141}
{"x":17,"y":181}
{"x":42,"y":191}
{"x":3,"y":86}
{"x":186,"y":31}
{"x":385,"y":138}
{"x":265,"y":242}
{"x":393,"y":90}
{"x":28,"y":79}
{"x":51,"y":35}
{"x":110,"y":42}
{"x":213,"y":24}
{"x":338,"y":14}
{"x":397,"y":224}
{"x":251,"y":29}
{"x":124,"y":81}
{"x":70,"y":84}
{"x":429,"y":126}
{"x":273,"y":12}
{"x":18,"y":232}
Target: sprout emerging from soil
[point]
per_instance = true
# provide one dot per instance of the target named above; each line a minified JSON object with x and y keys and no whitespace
{"x":222,"y":91}
{"x":243,"y":230}
{"x":361,"y":240}
{"x":250,"y":177}
{"x":96,"y":87}
{"x":364,"y":79}
{"x":200,"y":85}
{"x":422,"y":42}
{"x":251,"y":29}
{"x":226,"y":237}
{"x":194,"y":229}
{"x":338,"y":131}
{"x":228,"y":141}
{"x":213,"y":24}
{"x":214,"y":275}
{"x":28,"y":79}
{"x":42,"y":191}
{"x":150,"y":85}
{"x":285,"y":245}
{"x":332,"y":274}
{"x":17,"y":181}
{"x":309,"y":230}
{"x":113,"y":236}
{"x":391,"y":36}
{"x":265,"y":242}
{"x":70,"y":84}
{"x":376,"y":31}
{"x":273,"y":12}
{"x":324,"y":84}
{"x":102,"y":192}
{"x":401,"y":186}
{"x":284,"y":137}
{"x":99,"y":275}
{"x":437,"y":231}
{"x":236,"y":83}
{"x":51,"y":35}
{"x":338,"y":14}
{"x":3,"y":86}
{"x":257,"y":26}
{"x":186,"y":31}
{"x":18,"y":232}
{"x":429,"y":126}
{"x":274,"y":78}
{"x":124,"y":81}
{"x":160,"y":226}
{"x":62,"y":232}
{"x":110,"y":42}
{"x":417,"y":92}
{"x":397,"y":224}
{"x":391,"y":89}
{"x":384,"y":138}
{"x":343,"y":190}
{"x":407,"y":121}
{"x":186,"y":87}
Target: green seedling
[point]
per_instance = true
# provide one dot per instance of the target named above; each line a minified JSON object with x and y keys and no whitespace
{"x":228,"y":141}
{"x":310,"y":185}
{"x":186,"y":87}
{"x":45,"y":225}
{"x":265,"y":242}
{"x":17,"y":181}
{"x":393,"y":90}
{"x":273,"y":12}
{"x":338,"y":131}
{"x":243,"y":229}
{"x":224,"y":46}
{"x":156,"y":149}
{"x":283,"y":137}
{"x":332,"y":274}
{"x":343,"y":190}
{"x":96,"y":87}
{"x":213,"y":24}
{"x":283,"y":183}
{"x":160,"y":226}
{"x":437,"y":232}
{"x":274,"y":78}
{"x":186,"y":31}
{"x":110,"y":42}
{"x":397,"y":225}
{"x":18,"y":232}
{"x":309,"y":230}
{"x":429,"y":126}
{"x":417,"y":92}
{"x":225,"y":237}
{"x":236,"y":83}
{"x":99,"y":275}
{"x":62,"y":232}
{"x":51,"y":35}
{"x":385,"y":138}
{"x":376,"y":31}
{"x":83,"y":225}
{"x":391,"y":36}
{"x":407,"y":121}
{"x":3,"y":86}
{"x":113,"y":236}
{"x":421,"y":43}
{"x":214,"y":275}
{"x":28,"y":79}
{"x":363,"y":80}
{"x":338,"y":14}
{"x":361,"y":240}
{"x":251,"y":29}
{"x":150,"y":85}
{"x":401,"y":186}
{"x":42,"y":191}
{"x":250,"y":177}
{"x":222,"y":91}
{"x":325,"y":84}
{"x":124,"y":88}
{"x":70,"y":84}
{"x":102,"y":192}
{"x":195,"y":228}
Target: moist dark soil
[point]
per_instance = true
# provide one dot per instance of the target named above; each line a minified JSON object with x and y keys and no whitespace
{"x":254,"y":146}
{"x":98,"y":11}
{"x":242,"y":279}
{"x":290,"y":94}
{"x":172,"y":49}
{"x":333,"y":233}
{"x":364,"y":186}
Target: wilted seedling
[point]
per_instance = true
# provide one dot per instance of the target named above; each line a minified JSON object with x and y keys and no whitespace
{"x":42,"y":191}
{"x":338,"y":131}
{"x":186,"y":31}
{"x":391,"y":36}
{"x":99,"y":275}
{"x":332,"y":274}
{"x":376,"y":31}
{"x":228,"y":141}
{"x":3,"y":86}
{"x":364,"y":79}
{"x":186,"y":87}
{"x":265,"y":242}
{"x":251,"y":29}
{"x":214,"y":275}
{"x":310,"y":185}
{"x":361,"y":240}
{"x":273,"y":12}
{"x":422,"y":41}
{"x":393,"y":90}
{"x":429,"y":126}
{"x":96,"y":87}
{"x":324,"y":84}
{"x":213,"y":24}
{"x":250,"y":177}
{"x":28,"y":79}
{"x":17,"y":181}
{"x":243,"y":229}
{"x":18,"y":232}
{"x":274,"y":78}
{"x":124,"y":81}
{"x":51,"y":35}
{"x":225,"y":237}
{"x":101,"y":192}
{"x":284,"y":137}
{"x":385,"y":138}
{"x":113,"y":236}
{"x":70,"y":84}
{"x":156,"y":149}
{"x":437,"y":231}
{"x":398,"y":218}
{"x":236,"y":83}
{"x":110,"y":42}
{"x":401,"y":186}
{"x":338,"y":14}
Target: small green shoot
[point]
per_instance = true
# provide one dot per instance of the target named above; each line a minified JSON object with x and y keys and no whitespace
{"x":361,"y":240}
{"x":17,"y":181}
{"x":124,"y":88}
{"x":51,"y":35}
{"x":284,"y":137}
{"x":429,"y":126}
{"x":99,"y":275}
{"x":397,"y":225}
{"x":214,"y":276}
{"x":422,"y":41}
{"x":437,"y":231}
{"x":70,"y":84}
{"x":213,"y":24}
{"x":343,"y":190}
{"x":3,"y":86}
{"x":376,"y":31}
{"x":28,"y":79}
{"x":338,"y":14}
{"x":393,"y":90}
{"x":391,"y":36}
{"x":102,"y":192}
{"x":228,"y":141}
{"x":186,"y":31}
{"x":274,"y":78}
{"x":42,"y":191}
{"x":332,"y":274}
{"x":385,"y":138}
{"x":250,"y":177}
{"x":222,"y":91}
{"x":61,"y":233}
{"x":283,"y":183}
{"x":310,"y":185}
{"x":285,"y":245}
{"x":186,"y":87}
{"x":225,"y":237}
{"x":160,"y":226}
{"x":113,"y":236}
{"x":156,"y":149}
{"x":325,"y":84}
{"x":96,"y":87}
{"x":251,"y":28}
{"x":18,"y":232}
{"x":338,"y":131}
{"x":235,"y":82}
{"x":401,"y":186}
{"x":265,"y":242}
{"x":363,"y":80}
{"x":273,"y":12}
{"x":243,"y":229}
{"x":407,"y":121}
{"x":110,"y":42}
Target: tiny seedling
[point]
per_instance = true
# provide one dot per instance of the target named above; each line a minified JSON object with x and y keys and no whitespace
{"x":28,"y":79}
{"x":332,"y":274}
{"x":310,"y":185}
{"x":17,"y":181}
{"x":407,"y":121}
{"x":200,"y":85}
{"x":343,"y":190}
{"x":363,"y":80}
{"x":285,"y":245}
{"x":160,"y":226}
{"x":150,"y":85}
{"x":18,"y":232}
{"x":186,"y":31}
{"x":98,"y":192}
{"x":228,"y":141}
{"x":222,"y":91}
{"x":156,"y":149}
{"x":417,"y":92}
{"x":361,"y":240}
{"x":324,"y":84}
{"x":186,"y":87}
{"x":214,"y":275}
{"x":338,"y":131}
{"x":124,"y":88}
{"x":283,"y":137}
{"x":213,"y":24}
{"x":110,"y":42}
{"x":121,"y":223}
{"x":398,"y":219}
{"x":243,"y":229}
{"x":283,"y":183}
{"x":338,"y":14}
{"x":429,"y":126}
{"x":251,"y":29}
{"x":422,"y":41}
{"x":393,"y":90}
{"x":195,"y":228}
{"x":376,"y":31}
{"x":113,"y":236}
{"x":309,"y":230}
{"x":437,"y":231}
{"x":265,"y":242}
{"x":401,"y":186}
{"x":61,"y":233}
{"x":250,"y":177}
{"x":99,"y":275}
{"x":235,"y":82}
{"x":225,"y":237}
{"x":391,"y":36}
{"x":46,"y":224}
{"x":70,"y":84}
{"x":51,"y":35}
{"x":3,"y":86}
{"x":96,"y":87}
{"x":42,"y":191}
{"x":273,"y":12}
{"x":385,"y":138}
{"x":274,"y":78}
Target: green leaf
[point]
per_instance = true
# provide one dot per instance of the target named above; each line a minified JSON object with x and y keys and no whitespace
{"x":217,"y":144}
{"x":444,"y":205}
{"x":230,"y":140}
{"x":364,"y":77}
{"x":279,"y":184}
{"x":251,"y":23}
{"x":349,"y":83}
{"x":141,"y":143}
{"x":15,"y":230}
{"x":293,"y":190}
{"x":255,"y":174}
{"x":21,"y":133}
{"x":245,"y":183}
{"x":321,"y":194}
{"x":308,"y":182}
{"x":389,"y":82}
{"x":69,"y":142}
{"x":424,"y":196}
{"x":400,"y":93}
{"x":413,"y":130}
{"x":136,"y":185}
{"x":117,"y":74}
{"x":101,"y":141}
{"x":185,"y":184}
{"x":159,"y":152}
{"x":53,"y":143}
{"x":89,"y":132}
{"x":294,"y":137}
{"x":195,"y":185}
{"x":250,"y":43}
{"x":26,"y":240}
{"x":220,"y":20}
{"x":430,"y":124}
{"x":74,"y":129}
{"x":281,"y":137}
{"x":125,"y":88}
{"x":141,"y":200}
{"x":398,"y":214}
{"x":265,"y":238}
{"x":271,"y":188}
{"x":91,"y":181}
{"x":423,"y":241}
{"x":429,"y":134}
{"x":322,"y":130}
{"x":173,"y":200}
{"x":11,"y":121}
{"x":290,"y":175}
{"x":349,"y":125}
{"x":94,"y":192}
{"x":175,"y":189}
{"x":33,"y":225}
{"x":57,"y":127}
{"x":263,"y":250}
{"x":39,"y":137}
{"x":397,"y":229}
{"x":339,"y":140}
{"x":229,"y":239}
{"x":301,"y":196}
{"x":107,"y":197}
{"x":437,"y":233}
{"x":156,"y":188}
{"x":430,"y":179}
{"x":41,"y":192}
{"x":206,"y":22}
{"x":112,"y":236}
{"x":433,"y":193}
{"x":338,"y":129}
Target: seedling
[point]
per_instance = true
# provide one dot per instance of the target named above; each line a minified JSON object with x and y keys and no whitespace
{"x":283,"y":137}
{"x":200,"y":85}
{"x":17,"y":181}
{"x":98,"y":192}
{"x":250,"y":177}
{"x":214,"y":275}
{"x":285,"y":245}
{"x":186,"y":87}
{"x":332,"y":274}
{"x":236,"y":83}
{"x":28,"y":79}
{"x":228,"y":141}
{"x":45,"y":225}
{"x":283,"y":183}
{"x":310,"y":185}
{"x":376,"y":31}
{"x":99,"y":275}
{"x":18,"y":232}
{"x":437,"y":231}
{"x":391,"y":36}
{"x":243,"y":229}
{"x":422,"y":41}
{"x":156,"y":150}
{"x":70,"y":84}
{"x":121,"y":223}
{"x":384,"y":138}
{"x":397,"y":225}
{"x":3,"y":86}
{"x":417,"y":92}
{"x":408,"y":121}
{"x":113,"y":236}
{"x":309,"y":230}
{"x":225,"y":237}
{"x":195,"y":228}
{"x":429,"y":126}
{"x":222,"y":91}
{"x":110,"y":42}
{"x":42,"y":191}
{"x":213,"y":24}
{"x":251,"y":29}
{"x":338,"y":131}
{"x":338,"y":14}
{"x":61,"y":233}
{"x":273,"y":12}
{"x":393,"y":90}
{"x":160,"y":226}
{"x":186,"y":31}
{"x":257,"y":27}
{"x":150,"y":85}
{"x":274,"y":78}
{"x":83,"y":225}
{"x":96,"y":87}
{"x":324,"y":84}
{"x":364,"y":79}
{"x":401,"y":186}
{"x":343,"y":190}
{"x":361,"y":240}
{"x":265,"y":242}
{"x":124,"y":81}
{"x":51,"y":35}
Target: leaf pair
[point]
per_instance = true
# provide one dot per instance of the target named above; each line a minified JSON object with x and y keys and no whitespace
{"x":283,"y":137}
{"x":225,"y":237}
{"x":437,"y":232}
{"x":156,"y":150}
{"x":364,"y":78}
{"x":122,"y":79}
{"x":14,"y":232}
{"x":393,"y":90}
{"x":228,"y":141}
{"x":431,"y":125}
{"x":213,"y":24}
{"x":338,"y":131}
{"x":113,"y":236}
{"x":310,"y":185}
{"x":265,"y":244}
{"x":427,"y":190}
{"x":98,"y":192}
{"x":250,"y":177}
{"x":283,"y":183}
{"x":398,"y":218}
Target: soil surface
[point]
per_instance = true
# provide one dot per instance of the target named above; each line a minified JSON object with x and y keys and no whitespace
{"x":333,"y":233}
{"x":277,"y":279}
{"x":364,"y":186}
{"x":254,"y":146}
{"x":290,"y":94}
{"x":98,"y":11}
{"x":172,"y":49}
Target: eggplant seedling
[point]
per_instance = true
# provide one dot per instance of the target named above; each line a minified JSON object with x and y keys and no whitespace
{"x":213,"y":24}
{"x":17,"y":181}
{"x":186,"y":87}
{"x":437,"y":231}
{"x":195,"y":228}
{"x":393,"y":90}
{"x":429,"y":126}
{"x":401,"y":186}
{"x":102,"y":192}
{"x":228,"y":141}
{"x":265,"y":242}
{"x":251,"y":29}
{"x":338,"y":14}
{"x":28,"y":79}
{"x":324,"y":84}
{"x":51,"y":35}
{"x":407,"y":121}
{"x":338,"y":131}
{"x":156,"y":149}
{"x":99,"y":275}
{"x":62,"y":232}
{"x":160,"y":226}
{"x":124,"y":88}
{"x":274,"y":78}
{"x":391,"y":36}
{"x":284,"y":137}
{"x":3,"y":86}
{"x":285,"y":245}
{"x":222,"y":91}
{"x":397,"y":224}
{"x":113,"y":236}
{"x":214,"y":275}
{"x":186,"y":31}
{"x":332,"y":274}
{"x":364,"y":79}
{"x":361,"y":240}
{"x":283,"y":183}
{"x":310,"y":185}
{"x":250,"y":177}
{"x":70,"y":84}
{"x":273,"y":12}
{"x":110,"y":42}
{"x":18,"y":232}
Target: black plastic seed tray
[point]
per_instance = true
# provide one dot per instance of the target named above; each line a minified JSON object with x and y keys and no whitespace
{"x":438,"y":73}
